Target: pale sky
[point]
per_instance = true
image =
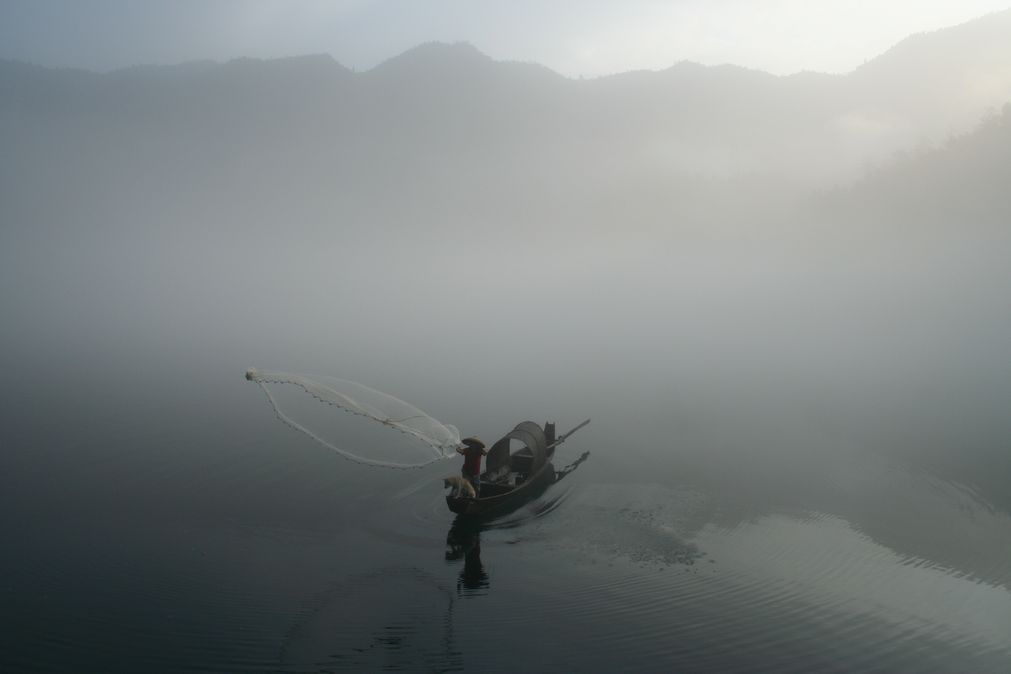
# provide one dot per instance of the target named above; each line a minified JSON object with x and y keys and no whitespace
{"x":584,"y":37}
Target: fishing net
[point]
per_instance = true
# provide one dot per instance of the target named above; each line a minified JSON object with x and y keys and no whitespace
{"x":312,"y":406}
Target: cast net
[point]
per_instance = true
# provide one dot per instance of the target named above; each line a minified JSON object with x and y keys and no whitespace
{"x":308,"y":405}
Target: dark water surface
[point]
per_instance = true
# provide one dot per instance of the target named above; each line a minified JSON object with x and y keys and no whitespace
{"x":158,"y":522}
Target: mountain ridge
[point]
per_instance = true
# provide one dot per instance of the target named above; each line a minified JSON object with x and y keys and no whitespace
{"x":500,"y":133}
{"x":991,"y":25}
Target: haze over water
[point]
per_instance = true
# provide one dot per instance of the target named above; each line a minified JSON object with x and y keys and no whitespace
{"x":783,"y":301}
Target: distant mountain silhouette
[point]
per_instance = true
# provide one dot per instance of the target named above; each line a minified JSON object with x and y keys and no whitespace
{"x":437,"y":59}
{"x":442,"y":135}
{"x":959,"y":187}
{"x":937,"y":84}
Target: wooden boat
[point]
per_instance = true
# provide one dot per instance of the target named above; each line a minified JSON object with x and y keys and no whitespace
{"x":512,"y":478}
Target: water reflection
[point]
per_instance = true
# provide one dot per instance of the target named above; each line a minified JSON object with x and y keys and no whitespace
{"x":838,"y":575}
{"x":464,"y":541}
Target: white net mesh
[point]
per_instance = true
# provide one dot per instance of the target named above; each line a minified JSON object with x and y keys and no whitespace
{"x":307,"y":405}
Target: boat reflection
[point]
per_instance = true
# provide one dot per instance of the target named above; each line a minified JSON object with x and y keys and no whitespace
{"x":464,"y":541}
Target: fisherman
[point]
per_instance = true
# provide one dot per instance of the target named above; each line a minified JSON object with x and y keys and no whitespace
{"x":472,"y":450}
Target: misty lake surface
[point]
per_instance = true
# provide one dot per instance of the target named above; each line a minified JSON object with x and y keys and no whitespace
{"x":163,"y":520}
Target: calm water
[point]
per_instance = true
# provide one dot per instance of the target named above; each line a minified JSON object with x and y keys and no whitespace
{"x":180,"y":527}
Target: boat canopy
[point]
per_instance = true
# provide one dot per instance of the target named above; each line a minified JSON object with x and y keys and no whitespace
{"x":531,"y":435}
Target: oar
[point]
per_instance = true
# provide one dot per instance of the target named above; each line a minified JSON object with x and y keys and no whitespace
{"x":562,"y":438}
